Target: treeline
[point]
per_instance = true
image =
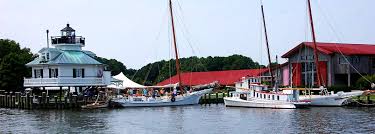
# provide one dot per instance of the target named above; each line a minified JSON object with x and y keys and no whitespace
{"x":158,"y":71}
{"x":12,"y":65}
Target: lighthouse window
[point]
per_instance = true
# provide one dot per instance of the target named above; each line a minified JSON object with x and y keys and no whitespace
{"x":47,"y":56}
{"x":78,"y":73}
{"x":53,"y":73}
{"x":38,"y":73}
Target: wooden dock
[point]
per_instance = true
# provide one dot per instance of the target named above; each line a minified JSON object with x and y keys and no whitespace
{"x":214,"y":98}
{"x":44,"y":101}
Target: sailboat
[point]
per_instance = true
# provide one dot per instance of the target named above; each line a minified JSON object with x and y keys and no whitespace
{"x":254,"y":94}
{"x":326,"y":98}
{"x":186,"y":98}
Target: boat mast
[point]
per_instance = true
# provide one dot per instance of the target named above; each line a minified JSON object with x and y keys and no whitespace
{"x":268,"y":49}
{"x":316,"y":56}
{"x":175,"y":46}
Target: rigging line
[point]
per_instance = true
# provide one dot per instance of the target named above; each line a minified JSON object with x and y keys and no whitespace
{"x":156,"y":38}
{"x":188,"y":38}
{"x":337,"y":35}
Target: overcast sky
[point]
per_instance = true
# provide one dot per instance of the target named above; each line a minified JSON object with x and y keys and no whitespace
{"x":137,"y":32}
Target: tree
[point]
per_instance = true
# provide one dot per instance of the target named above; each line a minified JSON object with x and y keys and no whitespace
{"x":12,"y":65}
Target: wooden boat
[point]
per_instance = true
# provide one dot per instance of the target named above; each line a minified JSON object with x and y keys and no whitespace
{"x":95,"y":105}
{"x":185,"y":98}
{"x":258,"y":96}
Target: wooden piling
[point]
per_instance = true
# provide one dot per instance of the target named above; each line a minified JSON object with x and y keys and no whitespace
{"x":209,"y":98}
{"x":44,"y":99}
{"x":55,"y":100}
{"x":66,"y":102}
{"x":217,"y":98}
{"x":12,"y":99}
{"x":47,"y":102}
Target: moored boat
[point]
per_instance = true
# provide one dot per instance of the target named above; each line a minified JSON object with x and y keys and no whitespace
{"x":258,"y":96}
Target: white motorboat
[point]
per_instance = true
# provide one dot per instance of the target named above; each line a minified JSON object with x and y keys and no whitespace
{"x":142,"y":101}
{"x":331,"y":99}
{"x":258,"y":96}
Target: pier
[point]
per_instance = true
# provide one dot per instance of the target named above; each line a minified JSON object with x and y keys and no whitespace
{"x":26,"y":101}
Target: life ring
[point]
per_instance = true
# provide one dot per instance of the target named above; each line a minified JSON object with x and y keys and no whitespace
{"x":173,"y":99}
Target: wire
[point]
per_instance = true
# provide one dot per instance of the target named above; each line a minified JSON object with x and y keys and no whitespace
{"x":337,"y":35}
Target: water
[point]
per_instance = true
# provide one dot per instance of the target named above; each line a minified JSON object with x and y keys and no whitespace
{"x":213,"y":119}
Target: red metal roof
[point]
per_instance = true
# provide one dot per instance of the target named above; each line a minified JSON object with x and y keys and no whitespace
{"x":227,"y":77}
{"x":330,"y":48}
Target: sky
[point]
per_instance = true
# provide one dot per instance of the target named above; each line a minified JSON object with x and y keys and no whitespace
{"x":137,"y":32}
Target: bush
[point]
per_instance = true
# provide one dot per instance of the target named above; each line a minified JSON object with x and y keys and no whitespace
{"x":363,"y":84}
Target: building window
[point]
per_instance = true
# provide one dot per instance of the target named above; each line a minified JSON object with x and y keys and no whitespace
{"x":78,"y":73}
{"x":53,"y":72}
{"x":47,"y":56}
{"x":373,"y":62}
{"x":38,"y":73}
{"x":342,"y":60}
{"x":273,"y":97}
{"x":278,"y":97}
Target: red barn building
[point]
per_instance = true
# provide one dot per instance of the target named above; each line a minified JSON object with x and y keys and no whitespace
{"x":333,"y":63}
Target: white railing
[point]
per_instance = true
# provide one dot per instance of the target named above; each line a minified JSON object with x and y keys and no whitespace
{"x":30,"y":82}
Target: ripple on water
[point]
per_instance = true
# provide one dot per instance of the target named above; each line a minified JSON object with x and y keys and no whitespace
{"x":190,"y":119}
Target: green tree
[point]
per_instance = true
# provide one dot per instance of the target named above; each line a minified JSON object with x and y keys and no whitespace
{"x":12,"y":65}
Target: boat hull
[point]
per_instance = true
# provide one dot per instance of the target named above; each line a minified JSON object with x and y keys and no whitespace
{"x":258,"y":103}
{"x":334,"y":100}
{"x":191,"y":99}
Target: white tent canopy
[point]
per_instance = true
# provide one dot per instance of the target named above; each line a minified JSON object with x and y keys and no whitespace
{"x":126,"y":82}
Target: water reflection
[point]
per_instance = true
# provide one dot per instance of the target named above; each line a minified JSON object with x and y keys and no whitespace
{"x":190,"y":119}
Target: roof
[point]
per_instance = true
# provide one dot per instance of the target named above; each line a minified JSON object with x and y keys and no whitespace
{"x":67,"y":28}
{"x":228,"y":77}
{"x":48,"y":49}
{"x":330,"y":48}
{"x":68,"y":57}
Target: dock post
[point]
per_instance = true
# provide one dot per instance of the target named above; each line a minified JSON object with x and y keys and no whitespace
{"x":17,"y":102}
{"x":44,"y":99}
{"x":1,"y":101}
{"x":217,"y":98}
{"x":13,"y":101}
{"x":27,"y":101}
{"x":48,"y":105}
{"x":66,"y":102}
{"x":7,"y":99}
{"x":55,"y":100}
{"x":209,"y":98}
{"x":40,"y":102}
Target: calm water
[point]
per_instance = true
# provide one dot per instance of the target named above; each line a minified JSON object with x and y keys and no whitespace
{"x":190,"y":119}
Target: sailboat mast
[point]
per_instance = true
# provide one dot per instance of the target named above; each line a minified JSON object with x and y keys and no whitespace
{"x":175,"y":44}
{"x":268,"y":49}
{"x":316,"y":56}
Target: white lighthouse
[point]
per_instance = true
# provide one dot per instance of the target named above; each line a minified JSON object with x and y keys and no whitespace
{"x":67,"y":65}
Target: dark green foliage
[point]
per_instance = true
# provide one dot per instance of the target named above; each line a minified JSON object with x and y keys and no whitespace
{"x":363,"y":84}
{"x":114,"y":66}
{"x":12,"y":65}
